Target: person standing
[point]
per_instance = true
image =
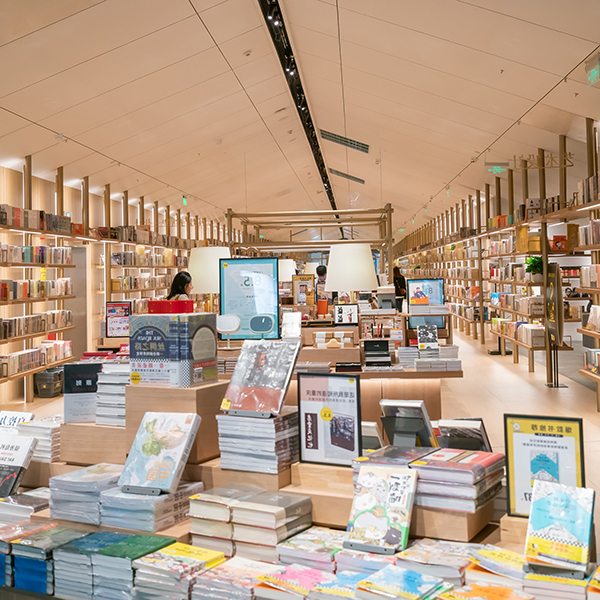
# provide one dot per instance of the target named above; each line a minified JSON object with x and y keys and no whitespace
{"x":400,"y":288}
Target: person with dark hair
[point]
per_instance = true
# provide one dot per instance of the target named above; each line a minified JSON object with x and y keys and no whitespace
{"x":321,"y":273}
{"x":181,"y":288}
{"x":400,"y":288}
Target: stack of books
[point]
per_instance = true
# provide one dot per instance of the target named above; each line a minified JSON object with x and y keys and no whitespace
{"x":226,"y":364}
{"x":112,"y":566}
{"x":172,"y":571}
{"x":316,"y":547}
{"x":362,"y":562}
{"x":20,"y":507}
{"x":73,"y":576}
{"x":448,"y":351}
{"x":259,"y":445}
{"x":234,"y":579}
{"x":47,"y":433}
{"x":33,"y":566}
{"x":313,"y":367}
{"x":210,"y":514}
{"x":458,"y":480}
{"x":147,"y":513}
{"x":407,"y":356}
{"x":266,"y":519}
{"x":110,"y":399}
{"x":496,"y":566}
{"x":396,"y":582}
{"x":75,"y":496}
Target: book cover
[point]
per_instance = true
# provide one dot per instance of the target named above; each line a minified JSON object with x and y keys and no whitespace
{"x":135,"y":546}
{"x":262,"y":375}
{"x":439,"y":553}
{"x":115,"y":498}
{"x":16,"y":452}
{"x":16,"y":531}
{"x":412,"y":409}
{"x":41,"y":544}
{"x":280,"y":506}
{"x":382,"y":506}
{"x":400,"y":456}
{"x":427,"y":337}
{"x":560,"y":524}
{"x":396,"y":582}
{"x":89,"y":479}
{"x":343,"y":586}
{"x":81,"y":378}
{"x":485,"y":591}
{"x":297,"y":579}
{"x":9,"y":419}
{"x":179,"y":560}
{"x":160,"y":451}
{"x":240,"y":573}
{"x":500,"y":561}
{"x":316,"y":543}
{"x":29,"y":503}
{"x":593,"y":585}
{"x":93,"y":543}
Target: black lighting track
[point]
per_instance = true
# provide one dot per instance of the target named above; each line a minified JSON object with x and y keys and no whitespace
{"x":274,"y":19}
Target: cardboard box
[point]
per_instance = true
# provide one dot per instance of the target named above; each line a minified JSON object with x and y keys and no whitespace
{"x":205,"y":401}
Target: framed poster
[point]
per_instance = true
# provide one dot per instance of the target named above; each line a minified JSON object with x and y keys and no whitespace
{"x":117,"y":319}
{"x":303,"y":289}
{"x":545,"y":448}
{"x":329,"y":417}
{"x":345,"y":314}
{"x":250,"y":289}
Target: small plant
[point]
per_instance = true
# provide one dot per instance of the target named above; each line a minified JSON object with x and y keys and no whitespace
{"x":535,"y":265}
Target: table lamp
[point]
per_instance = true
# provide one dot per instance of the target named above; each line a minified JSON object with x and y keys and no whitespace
{"x":351,"y":269}
{"x":204,"y":268}
{"x":287,"y":269}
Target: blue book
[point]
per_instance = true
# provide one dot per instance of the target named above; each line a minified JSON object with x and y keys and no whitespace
{"x":81,"y":550}
{"x":344,"y":585}
{"x":396,"y":582}
{"x":154,"y":337}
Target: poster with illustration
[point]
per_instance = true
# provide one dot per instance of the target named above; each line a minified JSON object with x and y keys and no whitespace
{"x":382,"y":507}
{"x":304,"y":289}
{"x":426,"y":291}
{"x":345,"y":314}
{"x":329,"y":415}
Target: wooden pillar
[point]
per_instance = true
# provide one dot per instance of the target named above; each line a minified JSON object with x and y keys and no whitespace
{"x":544,"y":243}
{"x":141,"y":213}
{"x":511,"y":193}
{"x":204,"y":232}
{"x":478,"y":210}
{"x":525,"y":181}
{"x":451,"y":220}
{"x":155,"y":216}
{"x":487,"y":205}
{"x":562,"y":171}
{"x":590,"y":144}
{"x":107,"y":219}
{"x":168,"y":219}
{"x":27,"y":184}
{"x":178,"y":223}
{"x":197,"y":224}
{"x":85,"y":205}
{"x":542,"y":174}
{"x":189,"y":227}
{"x":60,"y":191}
{"x":498,"y":197}
{"x":463,"y":213}
{"x":126,"y":208}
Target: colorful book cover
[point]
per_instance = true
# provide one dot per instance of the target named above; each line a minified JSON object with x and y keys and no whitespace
{"x":91,"y":479}
{"x":382,"y":506}
{"x":9,"y":419}
{"x":16,"y":452}
{"x":235,"y":573}
{"x":543,"y":465}
{"x":179,"y":560}
{"x":317,"y":541}
{"x":44,"y":542}
{"x":433,"y":552}
{"x":560,"y":525}
{"x":502,"y":562}
{"x":9,"y":533}
{"x":473,"y":465}
{"x":298,"y":579}
{"x":136,"y":546}
{"x":343,"y":586}
{"x":593,"y":585}
{"x":160,"y":451}
{"x":485,"y":591}
{"x":394,"y":455}
{"x":396,"y":582}
{"x":92,"y":543}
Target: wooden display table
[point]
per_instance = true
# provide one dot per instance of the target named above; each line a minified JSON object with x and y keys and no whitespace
{"x":513,"y":530}
{"x":90,"y":444}
{"x":205,"y":401}
{"x":38,"y":474}
{"x":180,"y":532}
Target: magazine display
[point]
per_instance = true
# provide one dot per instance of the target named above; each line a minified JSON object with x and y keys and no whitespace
{"x":262,"y":376}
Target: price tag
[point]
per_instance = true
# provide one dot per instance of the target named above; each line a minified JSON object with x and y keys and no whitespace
{"x":135,"y":378}
{"x":326,"y":414}
{"x":226,"y":404}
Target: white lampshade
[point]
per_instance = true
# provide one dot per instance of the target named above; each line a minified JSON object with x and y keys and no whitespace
{"x":351,"y":269}
{"x":203,"y":266}
{"x":310,"y":268}
{"x":287,"y":269}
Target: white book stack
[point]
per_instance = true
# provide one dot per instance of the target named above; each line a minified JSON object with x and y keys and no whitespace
{"x":453,"y":364}
{"x":47,"y":433}
{"x":110,"y":400}
{"x":230,"y":363}
{"x":19,"y":507}
{"x":448,"y":351}
{"x":407,"y":356}
{"x":312,"y":367}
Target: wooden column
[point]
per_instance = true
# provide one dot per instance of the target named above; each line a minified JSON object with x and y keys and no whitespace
{"x":480,"y":264}
{"x":197,"y":224}
{"x":544,"y":244}
{"x":27,"y":184}
{"x":141,"y":212}
{"x":189,"y":226}
{"x":126,"y":208}
{"x":60,"y":191}
{"x":168,"y":219}
{"x":542,"y":174}
{"x":156,"y":217}
{"x":525,"y":181}
{"x":85,"y":205}
{"x":487,"y":205}
{"x":204,"y":237}
{"x":178,"y":223}
{"x":478,"y":211}
{"x":511,"y":193}
{"x":463,"y":214}
{"x":451,"y":220}
{"x":498,"y":196}
{"x":590,"y":144}
{"x":107,"y":219}
{"x":562,"y":171}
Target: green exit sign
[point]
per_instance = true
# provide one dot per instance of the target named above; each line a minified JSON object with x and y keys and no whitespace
{"x":496,"y":170}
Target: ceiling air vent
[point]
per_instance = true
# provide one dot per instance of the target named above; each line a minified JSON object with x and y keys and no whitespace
{"x":346,"y":176}
{"x":344,"y":141}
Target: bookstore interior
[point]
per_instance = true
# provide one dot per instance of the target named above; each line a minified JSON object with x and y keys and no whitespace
{"x":247,"y":356}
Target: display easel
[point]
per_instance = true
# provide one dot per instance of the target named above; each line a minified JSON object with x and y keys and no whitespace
{"x":403,"y":431}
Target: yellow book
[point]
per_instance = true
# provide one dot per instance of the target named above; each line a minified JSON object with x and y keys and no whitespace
{"x":179,"y":560}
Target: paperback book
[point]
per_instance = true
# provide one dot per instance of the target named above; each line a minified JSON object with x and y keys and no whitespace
{"x":16,"y":452}
{"x":41,"y":544}
{"x":381,"y":508}
{"x":159,"y":452}
{"x":297,"y":579}
{"x":396,"y":582}
{"x":485,"y":591}
{"x":317,"y":547}
{"x":216,"y":504}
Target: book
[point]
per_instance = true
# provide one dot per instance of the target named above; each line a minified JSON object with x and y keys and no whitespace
{"x":485,"y":591}
{"x":400,"y":456}
{"x":427,"y":337}
{"x":41,"y":544}
{"x":466,"y":505}
{"x":362,"y":562}
{"x":129,"y":549}
{"x":593,"y":585}
{"x":92,"y":479}
{"x":216,"y":503}
{"x":270,"y":509}
{"x":315,"y":546}
{"x":506,"y":563}
{"x":297,"y":579}
{"x":343,"y":586}
{"x":452,"y":465}
{"x":395,"y":582}
{"x":459,"y":490}
{"x":477,"y":574}
{"x":261,"y":376}
{"x":16,"y":452}
{"x":552,"y":586}
{"x":159,"y":452}
{"x":560,"y":525}
{"x":382,"y":507}
{"x":20,"y":507}
{"x":9,"y":419}
{"x":470,"y":429}
{"x":227,"y":547}
{"x":270,"y":537}
{"x":16,"y":531}
{"x":114,"y":498}
{"x":412,"y":409}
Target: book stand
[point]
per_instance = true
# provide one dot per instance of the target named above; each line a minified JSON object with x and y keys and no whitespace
{"x":462,"y":443}
{"x":249,"y":413}
{"x":146,"y":491}
{"x":403,"y":431}
{"x":363,"y":547}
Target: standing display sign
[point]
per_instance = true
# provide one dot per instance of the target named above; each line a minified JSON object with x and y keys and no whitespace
{"x":117,"y":318}
{"x":304,"y":289}
{"x":249,"y":289}
{"x":554,"y":304}
{"x":329,"y":416}
{"x":543,"y":448}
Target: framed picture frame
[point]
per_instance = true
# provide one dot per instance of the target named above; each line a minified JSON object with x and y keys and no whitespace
{"x":329,"y":418}
{"x":345,"y":314}
{"x":540,"y":447}
{"x":303,"y":289}
{"x":117,"y":319}
{"x":249,"y":288}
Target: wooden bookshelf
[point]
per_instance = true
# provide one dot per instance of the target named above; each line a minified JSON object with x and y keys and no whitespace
{"x":31,"y":300}
{"x":594,"y":334}
{"x":36,"y":265}
{"x":154,"y":289}
{"x":23,"y":374}
{"x":30,"y":336}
